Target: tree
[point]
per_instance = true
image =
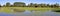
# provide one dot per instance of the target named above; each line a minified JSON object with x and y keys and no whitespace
{"x":48,"y":5}
{"x":35,"y":5}
{"x":56,"y":5}
{"x":43,"y":5}
{"x":52,"y":6}
{"x":7,"y":4}
{"x":11,"y":5}
{"x":4,"y":5}
{"x":30,"y":5}
{"x":19,"y":4}
{"x":0,"y":5}
{"x":39,"y":5}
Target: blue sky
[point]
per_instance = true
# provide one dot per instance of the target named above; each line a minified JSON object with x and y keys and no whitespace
{"x":30,"y":1}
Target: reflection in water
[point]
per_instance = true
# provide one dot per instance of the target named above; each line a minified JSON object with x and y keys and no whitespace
{"x":31,"y":13}
{"x":18,"y":10}
{"x":27,"y":12}
{"x":36,"y":13}
{"x":50,"y":13}
{"x":6,"y":14}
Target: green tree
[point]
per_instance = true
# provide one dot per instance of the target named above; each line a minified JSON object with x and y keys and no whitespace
{"x":0,"y":5}
{"x":52,"y":6}
{"x":35,"y":5}
{"x":4,"y":5}
{"x":39,"y":5}
{"x":56,"y":5}
{"x":11,"y":6}
{"x":30,"y":5}
{"x":19,"y":4}
{"x":48,"y":5}
{"x":7,"y":4}
{"x":43,"y":5}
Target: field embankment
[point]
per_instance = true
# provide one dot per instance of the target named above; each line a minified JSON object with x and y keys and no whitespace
{"x":9,"y":9}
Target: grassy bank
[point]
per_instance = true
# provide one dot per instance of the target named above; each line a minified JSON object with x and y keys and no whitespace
{"x":28,"y":8}
{"x":9,"y":9}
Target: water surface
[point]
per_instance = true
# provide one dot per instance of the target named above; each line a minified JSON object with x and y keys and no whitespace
{"x":37,"y":13}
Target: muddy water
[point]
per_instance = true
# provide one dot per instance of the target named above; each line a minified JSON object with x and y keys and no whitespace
{"x":30,"y":13}
{"x":36,"y":13}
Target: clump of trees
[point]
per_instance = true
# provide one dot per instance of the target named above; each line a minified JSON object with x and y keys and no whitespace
{"x":0,"y":5}
{"x":22,"y":4}
{"x":19,"y":4}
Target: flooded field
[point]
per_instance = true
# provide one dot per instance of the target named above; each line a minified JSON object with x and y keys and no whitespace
{"x":29,"y":7}
{"x":37,"y":13}
{"x":16,"y":12}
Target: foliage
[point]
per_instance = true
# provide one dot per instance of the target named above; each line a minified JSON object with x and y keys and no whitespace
{"x":0,"y":5}
{"x":7,"y":4}
{"x":22,"y":4}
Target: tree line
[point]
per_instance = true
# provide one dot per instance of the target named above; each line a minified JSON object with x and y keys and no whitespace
{"x":22,"y":4}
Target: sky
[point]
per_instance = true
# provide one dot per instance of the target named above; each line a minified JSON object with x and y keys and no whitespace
{"x":2,"y":2}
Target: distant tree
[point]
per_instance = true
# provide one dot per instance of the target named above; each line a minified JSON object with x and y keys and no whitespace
{"x":52,"y":6}
{"x":19,"y":4}
{"x":35,"y":5}
{"x":11,"y":5}
{"x":43,"y":5}
{"x":0,"y":5}
{"x":4,"y":5}
{"x":7,"y":4}
{"x":48,"y":5}
{"x":30,"y":5}
{"x":39,"y":5}
{"x":56,"y":5}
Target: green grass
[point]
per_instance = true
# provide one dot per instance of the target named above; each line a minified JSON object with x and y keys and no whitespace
{"x":8,"y":9}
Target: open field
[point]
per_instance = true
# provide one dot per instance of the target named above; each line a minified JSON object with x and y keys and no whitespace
{"x":9,"y":9}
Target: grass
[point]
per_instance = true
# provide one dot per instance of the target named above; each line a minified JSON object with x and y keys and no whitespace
{"x":8,"y":9}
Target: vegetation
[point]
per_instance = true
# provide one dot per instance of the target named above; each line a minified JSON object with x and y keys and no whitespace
{"x":31,"y":6}
{"x":22,"y":4}
{"x":8,"y":9}
{"x":0,"y":5}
